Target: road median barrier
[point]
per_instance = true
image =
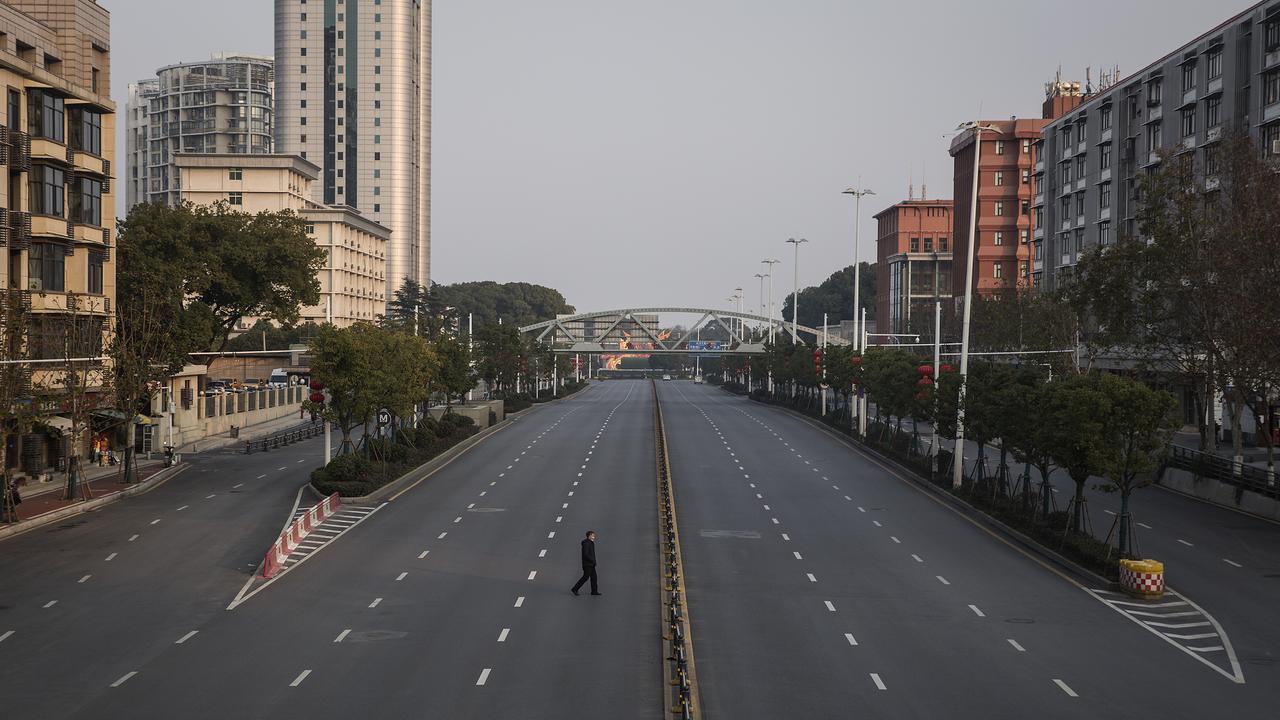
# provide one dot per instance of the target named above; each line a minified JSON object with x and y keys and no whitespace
{"x":1142,"y":578}
{"x":293,"y":535}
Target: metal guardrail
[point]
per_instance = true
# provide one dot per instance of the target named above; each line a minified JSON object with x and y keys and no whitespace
{"x":1225,"y":470}
{"x":286,"y":437}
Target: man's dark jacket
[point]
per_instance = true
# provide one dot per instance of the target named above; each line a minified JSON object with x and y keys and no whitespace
{"x":588,"y":553}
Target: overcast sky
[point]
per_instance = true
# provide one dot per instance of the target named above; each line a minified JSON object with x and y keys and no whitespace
{"x":652,"y":153}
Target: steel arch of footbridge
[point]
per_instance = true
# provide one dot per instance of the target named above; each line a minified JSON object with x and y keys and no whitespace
{"x":577,"y":342}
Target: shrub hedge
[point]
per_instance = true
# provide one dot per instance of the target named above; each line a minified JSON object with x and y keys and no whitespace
{"x":381,"y":460}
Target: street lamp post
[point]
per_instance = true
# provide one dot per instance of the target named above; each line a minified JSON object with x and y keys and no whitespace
{"x":795,"y":288}
{"x":762,"y":276}
{"x":957,"y":471}
{"x":858,"y":194}
{"x":769,"y":275}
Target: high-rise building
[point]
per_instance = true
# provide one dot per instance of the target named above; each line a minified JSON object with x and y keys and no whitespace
{"x":913,"y":264}
{"x":1007,"y":194}
{"x":353,"y":95}
{"x":56,"y":221}
{"x":1093,"y":156}
{"x":221,"y":105}
{"x":353,"y":279}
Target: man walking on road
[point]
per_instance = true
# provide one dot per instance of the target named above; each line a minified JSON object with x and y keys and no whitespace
{"x":588,"y":564}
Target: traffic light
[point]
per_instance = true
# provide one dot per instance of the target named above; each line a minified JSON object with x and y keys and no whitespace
{"x":817,"y":362}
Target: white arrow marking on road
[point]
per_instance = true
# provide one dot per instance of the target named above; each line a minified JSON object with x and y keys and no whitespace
{"x":1065,"y":688}
{"x":124,"y":678}
{"x":186,"y":637}
{"x":298,"y":680}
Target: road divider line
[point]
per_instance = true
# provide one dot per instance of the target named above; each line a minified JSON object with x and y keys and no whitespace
{"x":484,"y":676}
{"x":976,"y":611}
{"x":519,"y":601}
{"x":84,"y":579}
{"x":875,"y":678}
{"x":542,"y":552}
{"x":797,"y":554}
{"x":830,"y":606}
{"x":342,"y":635}
{"x":441,"y":535}
{"x":1015,"y":645}
{"x":502,"y":636}
{"x":1065,"y":688}
{"x":401,"y":576}
{"x":124,"y":678}
{"x":186,"y":637}
{"x":916,"y":558}
{"x":298,"y":680}
{"x":533,"y":574}
{"x":849,"y":637}
{"x":6,"y":635}
{"x":1232,"y":563}
{"x":375,"y":602}
{"x":812,"y":579}
{"x":423,"y":554}
{"x":942,"y":580}
{"x":51,"y":603}
{"x":133,"y":537}
{"x":110,"y":557}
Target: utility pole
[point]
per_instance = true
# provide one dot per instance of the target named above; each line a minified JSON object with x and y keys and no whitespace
{"x":937,"y":376}
{"x":769,"y":275}
{"x":795,"y":288}
{"x":858,"y":194}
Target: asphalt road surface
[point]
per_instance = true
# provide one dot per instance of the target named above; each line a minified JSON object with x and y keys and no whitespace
{"x":821,"y":585}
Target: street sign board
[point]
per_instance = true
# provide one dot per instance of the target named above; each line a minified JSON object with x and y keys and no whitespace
{"x":704,"y":344}
{"x":384,"y":417}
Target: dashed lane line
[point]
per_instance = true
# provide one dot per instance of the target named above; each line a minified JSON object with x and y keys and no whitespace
{"x":1065,"y":688}
{"x":1015,"y":645}
{"x":875,"y":678}
{"x":850,"y":638}
{"x":976,"y":611}
{"x":401,"y":576}
{"x":375,"y":602}
{"x":301,"y":676}
{"x":830,"y":606}
{"x":84,"y":579}
{"x":186,"y":637}
{"x":502,"y":636}
{"x":342,"y":635}
{"x":6,"y":635}
{"x":423,"y":554}
{"x":484,"y":676}
{"x":519,"y":601}
{"x":124,"y":678}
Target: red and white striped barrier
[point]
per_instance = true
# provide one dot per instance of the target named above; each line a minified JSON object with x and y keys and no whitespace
{"x":297,"y":530}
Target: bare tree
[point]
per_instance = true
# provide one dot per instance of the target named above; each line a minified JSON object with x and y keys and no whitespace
{"x":18,"y":410}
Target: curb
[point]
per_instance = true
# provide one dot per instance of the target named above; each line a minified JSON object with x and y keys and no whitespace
{"x":147,"y":485}
{"x":1079,"y":572}
{"x":430,"y":467}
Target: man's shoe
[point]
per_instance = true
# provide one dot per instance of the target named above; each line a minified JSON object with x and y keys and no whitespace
{"x":575,"y":592}
{"x":595,"y":593}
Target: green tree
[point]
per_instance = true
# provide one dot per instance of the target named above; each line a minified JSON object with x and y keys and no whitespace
{"x":456,"y":376}
{"x":1076,"y":409}
{"x":414,"y":310}
{"x":834,"y":296}
{"x":500,"y":356}
{"x":513,"y":303}
{"x":1136,"y":436}
{"x":271,"y":336}
{"x":344,"y":360}
{"x":19,"y":412}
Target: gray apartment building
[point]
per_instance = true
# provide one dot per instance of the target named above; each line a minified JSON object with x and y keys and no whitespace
{"x":220,"y":105}
{"x":1089,"y":160}
{"x":353,"y":96}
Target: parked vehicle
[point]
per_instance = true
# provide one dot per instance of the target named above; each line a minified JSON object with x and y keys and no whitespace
{"x":279,"y":377}
{"x":666,"y":377}
{"x":216,"y":386}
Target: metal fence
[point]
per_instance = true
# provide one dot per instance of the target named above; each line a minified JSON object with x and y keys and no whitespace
{"x":285,"y":437}
{"x":1223,"y":469}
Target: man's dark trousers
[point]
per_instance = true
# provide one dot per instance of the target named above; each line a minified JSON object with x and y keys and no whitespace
{"x":588,"y":566}
{"x":588,"y":573}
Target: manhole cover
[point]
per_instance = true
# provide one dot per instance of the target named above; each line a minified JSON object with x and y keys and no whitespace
{"x":1020,"y":621}
{"x":375,"y":635}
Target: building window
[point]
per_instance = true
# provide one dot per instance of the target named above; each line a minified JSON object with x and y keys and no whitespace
{"x":1082,"y":129}
{"x":86,"y":130}
{"x":46,"y":115}
{"x":1271,"y":37}
{"x":1024,"y":236}
{"x":1079,"y":240}
{"x":86,"y":201}
{"x":1104,"y":157}
{"x":1211,"y":161}
{"x":1188,"y":77}
{"x":998,"y":238}
{"x":1081,"y":169}
{"x":1188,"y":122}
{"x":1026,"y":177}
{"x":377,"y":207}
{"x":46,"y":189}
{"x":1214,"y":64}
{"x":1104,"y":117}
{"x":1066,"y":173}
{"x":15,"y":109}
{"x":1104,"y":233}
{"x":942,"y":244}
{"x":235,"y":198}
{"x":1066,"y":208}
{"x":999,"y":180}
{"x":999,"y":147}
{"x":1213,"y":111}
{"x":1271,"y":87}
{"x":1026,"y":147}
{"x":928,"y":244}
{"x":46,"y":264}
{"x":1079,"y":203}
{"x":1104,"y":196}
{"x":96,"y":262}
{"x":1026,"y":207}
{"x":235,"y":174}
{"x":1154,"y":137}
{"x":999,"y":208}
{"x":997,"y":270}
{"x":915,"y":245}
{"x":1154,"y":92}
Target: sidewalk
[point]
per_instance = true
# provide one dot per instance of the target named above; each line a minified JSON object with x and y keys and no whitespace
{"x":96,"y":482}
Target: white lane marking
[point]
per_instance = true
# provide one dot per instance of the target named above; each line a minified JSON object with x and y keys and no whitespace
{"x":786,"y":537}
{"x":753,"y":485}
{"x":1210,"y":648}
{"x":830,"y":606}
{"x":132,"y":538}
{"x":237,"y":485}
{"x":110,"y":557}
{"x":875,"y":678}
{"x":84,"y":579}
{"x":502,"y":636}
{"x":775,"y":521}
{"x":375,"y":602}
{"x":766,"y":507}
{"x":302,"y":461}
{"x":5,"y":635}
{"x":210,"y":497}
{"x":483,"y":493}
{"x":895,"y":539}
{"x":811,"y":577}
{"x":849,"y":637}
{"x":759,"y":496}
{"x":153,"y":522}
{"x":284,"y":468}
{"x":797,"y":555}
{"x":1171,"y":626}
{"x":1144,"y":525}
{"x":423,"y":554}
{"x":495,"y":482}
{"x":976,"y":611}
{"x":1065,"y":688}
{"x":124,"y":678}
{"x":916,"y":558}
{"x":1109,"y":512}
{"x":533,"y":574}
{"x":471,"y":506}
{"x":1015,"y":645}
{"x":1231,"y":562}
{"x":298,"y":680}
{"x":519,"y":601}
{"x":876,"y":523}
{"x":575,"y":483}
{"x":563,"y":506}
{"x":457,"y":519}
{"x":260,"y":477}
{"x":861,"y":509}
{"x":559,"y":518}
{"x":184,"y":507}
{"x":542,"y":552}
{"x":570,"y":493}
{"x":1184,"y":542}
{"x":186,"y":637}
{"x":484,"y":676}
{"x":942,"y":580}
{"x":441,"y":535}
{"x":51,"y":603}
{"x":401,"y":576}
{"x":1194,"y":636}
{"x":551,"y":534}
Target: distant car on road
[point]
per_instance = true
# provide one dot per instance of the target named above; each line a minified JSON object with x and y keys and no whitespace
{"x":216,"y":386}
{"x":698,"y":380}
{"x":666,"y":377}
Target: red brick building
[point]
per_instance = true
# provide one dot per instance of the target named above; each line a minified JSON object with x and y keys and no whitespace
{"x":1006,"y":197}
{"x":913,"y":268}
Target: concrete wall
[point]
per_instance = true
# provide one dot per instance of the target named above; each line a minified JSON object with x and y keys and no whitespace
{"x":1220,"y":493}
{"x":477,"y":411}
{"x":216,"y":414}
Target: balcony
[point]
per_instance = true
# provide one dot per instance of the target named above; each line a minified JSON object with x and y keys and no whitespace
{"x":1215,"y":86}
{"x":46,"y":149}
{"x":19,"y":229}
{"x":1106,"y":137}
{"x":85,"y":163}
{"x":19,"y":151}
{"x":1271,"y":59}
{"x":1082,"y":147}
{"x":1155,"y":112}
{"x":1038,"y":234}
{"x":1213,"y":134}
{"x":91,"y":234}
{"x":1271,"y":112}
{"x":1039,"y":166}
{"x":49,"y":226}
{"x":1185,"y":145}
{"x":1104,"y":214}
{"x":1081,"y":183}
{"x":1104,"y":175}
{"x":1188,"y":98}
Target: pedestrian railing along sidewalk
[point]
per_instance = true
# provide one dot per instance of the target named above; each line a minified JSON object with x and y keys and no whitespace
{"x":1224,"y":469}
{"x":284,"y":437}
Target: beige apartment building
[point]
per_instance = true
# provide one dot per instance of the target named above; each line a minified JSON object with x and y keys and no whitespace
{"x":353,"y":282}
{"x":57,"y":222}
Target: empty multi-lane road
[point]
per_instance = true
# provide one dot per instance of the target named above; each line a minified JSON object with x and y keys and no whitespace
{"x":820,"y":584}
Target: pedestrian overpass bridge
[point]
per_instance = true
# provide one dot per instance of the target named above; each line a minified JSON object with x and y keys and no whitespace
{"x":636,"y":331}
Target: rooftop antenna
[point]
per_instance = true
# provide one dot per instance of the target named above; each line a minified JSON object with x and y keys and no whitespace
{"x":924,"y":181}
{"x":911,"y":182}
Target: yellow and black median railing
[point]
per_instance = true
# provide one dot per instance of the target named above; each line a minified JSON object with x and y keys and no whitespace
{"x":680,"y":691}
